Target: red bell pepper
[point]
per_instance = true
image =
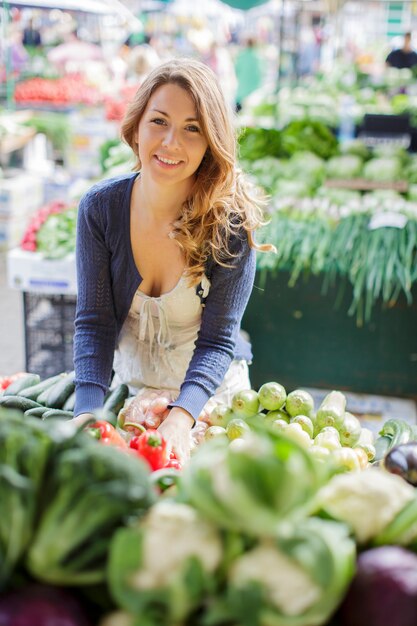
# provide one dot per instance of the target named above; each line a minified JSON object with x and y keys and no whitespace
{"x":107,"y":434}
{"x":152,"y":447}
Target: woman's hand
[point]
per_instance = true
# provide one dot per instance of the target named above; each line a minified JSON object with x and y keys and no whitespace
{"x":175,"y":429}
{"x":82,"y":419}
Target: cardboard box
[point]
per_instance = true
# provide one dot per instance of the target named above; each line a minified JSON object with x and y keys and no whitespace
{"x":31,"y":272}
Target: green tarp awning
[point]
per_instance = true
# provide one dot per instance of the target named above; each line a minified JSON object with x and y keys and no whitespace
{"x":244,"y":4}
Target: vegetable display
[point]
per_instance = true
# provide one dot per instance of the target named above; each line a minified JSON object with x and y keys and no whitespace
{"x":51,"y":230}
{"x":262,"y":525}
{"x":62,"y":497}
{"x":65,"y":91}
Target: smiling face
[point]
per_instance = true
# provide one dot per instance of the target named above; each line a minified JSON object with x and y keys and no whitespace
{"x":170,"y":140}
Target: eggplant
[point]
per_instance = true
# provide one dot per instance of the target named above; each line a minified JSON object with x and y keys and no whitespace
{"x":383,"y":591}
{"x":41,"y":605}
{"x":402,"y":460}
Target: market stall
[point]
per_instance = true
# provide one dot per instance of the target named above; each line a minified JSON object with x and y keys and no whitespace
{"x":298,"y":504}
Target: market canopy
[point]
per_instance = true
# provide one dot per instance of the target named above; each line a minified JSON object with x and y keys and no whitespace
{"x":244,"y":5}
{"x":103,"y":7}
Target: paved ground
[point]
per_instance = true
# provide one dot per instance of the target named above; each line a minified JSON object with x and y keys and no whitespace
{"x":12,"y":353}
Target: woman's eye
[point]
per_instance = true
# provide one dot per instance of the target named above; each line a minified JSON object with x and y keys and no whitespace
{"x":158,"y":120}
{"x":193,"y":128}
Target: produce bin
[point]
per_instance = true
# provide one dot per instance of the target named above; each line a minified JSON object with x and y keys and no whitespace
{"x":300,"y":337}
{"x":49,"y":332}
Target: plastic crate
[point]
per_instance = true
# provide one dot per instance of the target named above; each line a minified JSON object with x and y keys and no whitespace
{"x":49,"y":333}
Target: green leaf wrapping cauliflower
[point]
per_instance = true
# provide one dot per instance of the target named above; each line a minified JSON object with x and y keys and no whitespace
{"x":296,"y":579}
{"x":162,"y":568}
{"x":253,"y":486}
{"x":25,"y":448}
{"x":367,"y":501}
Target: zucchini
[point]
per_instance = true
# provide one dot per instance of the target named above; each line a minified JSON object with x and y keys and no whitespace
{"x":61,"y":391}
{"x":27,"y":380}
{"x":38,"y":411}
{"x":32,"y":392}
{"x":332,"y":410}
{"x":57,"y":414}
{"x":115,"y":401}
{"x":18,"y":402}
{"x":70,"y":402}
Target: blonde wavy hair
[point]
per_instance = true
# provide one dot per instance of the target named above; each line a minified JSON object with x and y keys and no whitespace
{"x":222,"y":201}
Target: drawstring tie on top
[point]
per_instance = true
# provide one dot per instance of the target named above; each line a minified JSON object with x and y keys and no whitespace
{"x":147,"y":328}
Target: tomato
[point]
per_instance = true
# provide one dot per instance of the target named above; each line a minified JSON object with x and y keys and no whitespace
{"x":152,"y":447}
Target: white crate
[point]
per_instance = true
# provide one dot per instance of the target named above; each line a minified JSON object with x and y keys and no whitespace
{"x":89,"y":130}
{"x":20,"y":193}
{"x":31,"y":272}
{"x":12,"y":229}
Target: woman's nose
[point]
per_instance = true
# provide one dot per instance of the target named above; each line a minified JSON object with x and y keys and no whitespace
{"x":171,"y":138}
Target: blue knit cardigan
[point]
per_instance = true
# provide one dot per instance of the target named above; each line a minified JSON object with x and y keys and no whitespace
{"x":107,"y":281}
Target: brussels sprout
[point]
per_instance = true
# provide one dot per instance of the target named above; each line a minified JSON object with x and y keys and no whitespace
{"x":299,"y":402}
{"x":220,"y":415}
{"x":271,"y":416}
{"x":305,"y":423}
{"x":215,"y":431}
{"x":346,"y":458}
{"x":350,"y":430}
{"x":245,"y":403}
{"x":272,"y":396}
{"x":237,"y":428}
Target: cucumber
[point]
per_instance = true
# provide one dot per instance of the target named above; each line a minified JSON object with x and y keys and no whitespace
{"x":34,"y":391}
{"x":114,"y":403}
{"x":70,"y":403}
{"x":57,"y":414}
{"x":38,"y":411}
{"x":43,"y":396}
{"x":27,"y":380}
{"x":61,"y":391}
{"x":18,"y":402}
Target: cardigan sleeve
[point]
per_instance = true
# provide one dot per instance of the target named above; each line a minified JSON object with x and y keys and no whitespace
{"x":95,"y":322}
{"x":220,"y":324}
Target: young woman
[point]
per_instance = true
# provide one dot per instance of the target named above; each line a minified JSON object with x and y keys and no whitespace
{"x":166,"y":255}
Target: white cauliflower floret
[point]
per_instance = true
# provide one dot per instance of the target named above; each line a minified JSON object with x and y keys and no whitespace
{"x":287,"y":586}
{"x":368,"y":501}
{"x":172,"y":533}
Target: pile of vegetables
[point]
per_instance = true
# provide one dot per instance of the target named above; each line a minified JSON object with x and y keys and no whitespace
{"x":63,"y":495}
{"x":262,"y":526}
{"x":319,"y":98}
{"x":65,"y":91}
{"x":370,"y":244}
{"x":51,"y":230}
{"x":330,"y":432}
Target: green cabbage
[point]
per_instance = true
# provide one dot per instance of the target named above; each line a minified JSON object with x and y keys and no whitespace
{"x":346,"y":166}
{"x":252,"y":487}
{"x":384,"y":169}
